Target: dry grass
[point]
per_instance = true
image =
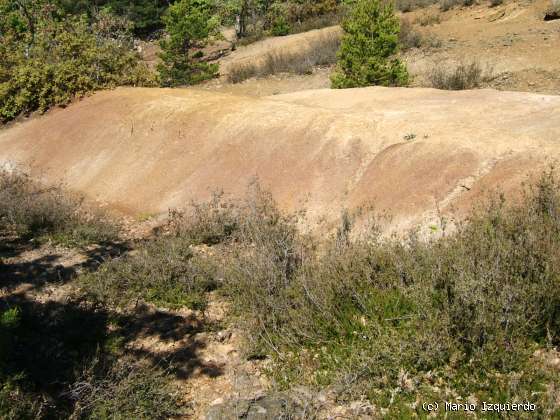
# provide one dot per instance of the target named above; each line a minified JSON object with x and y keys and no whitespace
{"x":408,"y":36}
{"x":428,"y":19}
{"x":446,"y":5}
{"x":317,"y":22}
{"x":464,"y":76}
{"x":31,"y":210}
{"x":410,"y":5}
{"x":319,"y":52}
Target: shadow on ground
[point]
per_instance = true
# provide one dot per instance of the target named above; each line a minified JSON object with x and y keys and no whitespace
{"x":30,"y":263}
{"x":56,"y":339}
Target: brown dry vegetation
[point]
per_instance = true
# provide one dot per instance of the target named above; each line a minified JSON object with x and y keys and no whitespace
{"x":29,"y":209}
{"x":463,"y":76}
{"x":319,"y":52}
{"x":470,"y":310}
{"x":348,"y":301}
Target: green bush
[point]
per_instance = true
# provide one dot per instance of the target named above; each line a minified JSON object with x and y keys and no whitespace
{"x":56,"y":59}
{"x":367,"y":53}
{"x":145,"y":15}
{"x":388,"y":320}
{"x":280,"y":26}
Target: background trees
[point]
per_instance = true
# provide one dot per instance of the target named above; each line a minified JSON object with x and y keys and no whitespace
{"x":47,"y":57}
{"x":145,"y":15}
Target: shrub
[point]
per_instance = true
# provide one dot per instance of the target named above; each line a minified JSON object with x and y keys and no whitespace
{"x":464,"y":76}
{"x":428,"y":19}
{"x":408,"y":36}
{"x":389,"y":319}
{"x":15,"y":404}
{"x":29,"y":209}
{"x":366,"y":55}
{"x":406,"y":6}
{"x":166,"y":272}
{"x":446,"y":5}
{"x":240,"y":72}
{"x":316,"y":22}
{"x":125,"y":389}
{"x":57,"y":60}
{"x":280,"y":26}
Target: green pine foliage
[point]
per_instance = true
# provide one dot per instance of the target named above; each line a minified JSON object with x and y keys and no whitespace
{"x":367,"y":54}
{"x":189,"y":24}
{"x":145,"y":15}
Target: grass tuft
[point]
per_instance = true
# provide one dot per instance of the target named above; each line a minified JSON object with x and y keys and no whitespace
{"x":31,"y":210}
{"x":464,"y":76}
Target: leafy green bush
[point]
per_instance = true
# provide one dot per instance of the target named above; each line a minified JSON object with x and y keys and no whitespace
{"x":145,"y":15}
{"x":280,"y":26}
{"x":48,"y":60}
{"x":369,"y":45}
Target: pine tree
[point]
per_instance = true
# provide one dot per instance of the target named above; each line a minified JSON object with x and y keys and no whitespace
{"x":370,"y":42}
{"x":188,"y":24}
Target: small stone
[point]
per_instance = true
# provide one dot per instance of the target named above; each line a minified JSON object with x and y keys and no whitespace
{"x":224,"y":336}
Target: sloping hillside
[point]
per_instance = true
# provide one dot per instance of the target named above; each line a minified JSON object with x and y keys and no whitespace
{"x":408,"y":151}
{"x":511,"y":42}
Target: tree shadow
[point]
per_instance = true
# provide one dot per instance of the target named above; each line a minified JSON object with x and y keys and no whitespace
{"x":183,"y":360}
{"x":55,"y":340}
{"x":46,"y":266}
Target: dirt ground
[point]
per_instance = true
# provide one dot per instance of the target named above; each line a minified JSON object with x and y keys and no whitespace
{"x":405,"y":151}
